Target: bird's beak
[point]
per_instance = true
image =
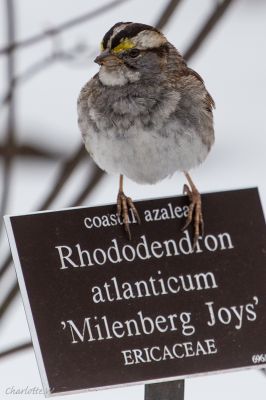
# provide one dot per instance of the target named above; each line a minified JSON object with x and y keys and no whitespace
{"x":107,"y":58}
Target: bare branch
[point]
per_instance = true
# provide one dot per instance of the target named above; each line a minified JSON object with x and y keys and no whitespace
{"x":167,"y":14}
{"x":15,"y":349}
{"x":207,"y":28}
{"x":60,"y":28}
{"x":30,"y":150}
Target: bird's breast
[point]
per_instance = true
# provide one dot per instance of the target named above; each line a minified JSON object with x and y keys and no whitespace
{"x":125,"y":109}
{"x":147,"y":155}
{"x":142,"y":135}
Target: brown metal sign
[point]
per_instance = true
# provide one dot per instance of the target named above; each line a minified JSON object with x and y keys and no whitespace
{"x":106,"y":311}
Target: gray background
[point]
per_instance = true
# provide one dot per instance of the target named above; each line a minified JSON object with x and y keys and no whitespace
{"x":232,"y":62}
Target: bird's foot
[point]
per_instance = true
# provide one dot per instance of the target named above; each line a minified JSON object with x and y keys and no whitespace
{"x":124,"y":204}
{"x":194,"y":212}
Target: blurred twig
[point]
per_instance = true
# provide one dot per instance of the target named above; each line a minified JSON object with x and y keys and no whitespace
{"x":167,"y":14}
{"x":28,"y":74}
{"x":60,"y":28}
{"x":30,"y":150}
{"x":15,"y":349}
{"x":207,"y":27}
{"x":37,"y":67}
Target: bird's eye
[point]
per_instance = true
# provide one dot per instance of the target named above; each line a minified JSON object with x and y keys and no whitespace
{"x":134,"y":53}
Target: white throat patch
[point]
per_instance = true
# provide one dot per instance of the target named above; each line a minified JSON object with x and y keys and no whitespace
{"x":117,"y":77}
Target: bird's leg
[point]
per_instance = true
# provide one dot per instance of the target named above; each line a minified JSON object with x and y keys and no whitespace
{"x":124,"y":203}
{"x":195,"y":210}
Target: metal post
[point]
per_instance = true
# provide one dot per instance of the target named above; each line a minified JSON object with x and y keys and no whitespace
{"x":172,"y":390}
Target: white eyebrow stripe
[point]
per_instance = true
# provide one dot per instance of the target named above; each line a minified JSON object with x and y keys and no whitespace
{"x":149,"y":39}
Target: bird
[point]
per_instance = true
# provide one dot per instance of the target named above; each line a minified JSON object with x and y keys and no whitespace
{"x":145,"y":115}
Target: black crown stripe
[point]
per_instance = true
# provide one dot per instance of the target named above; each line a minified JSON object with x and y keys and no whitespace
{"x":110,"y":32}
{"x":129,"y":32}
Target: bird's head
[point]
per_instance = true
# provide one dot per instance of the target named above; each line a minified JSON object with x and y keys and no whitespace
{"x":129,"y":52}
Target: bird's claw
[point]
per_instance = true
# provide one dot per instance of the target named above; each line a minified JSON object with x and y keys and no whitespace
{"x":125,"y":203}
{"x":194,"y":213}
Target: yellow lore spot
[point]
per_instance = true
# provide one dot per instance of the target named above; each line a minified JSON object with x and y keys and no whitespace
{"x":124,"y":45}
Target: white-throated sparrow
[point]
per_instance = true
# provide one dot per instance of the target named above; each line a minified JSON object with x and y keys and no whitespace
{"x":146,"y":114}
